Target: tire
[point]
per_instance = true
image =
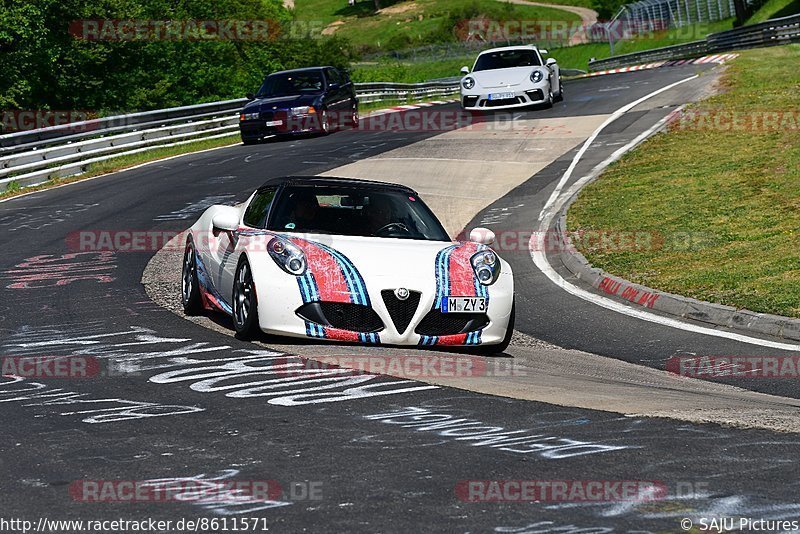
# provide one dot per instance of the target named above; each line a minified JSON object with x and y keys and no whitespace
{"x":550,"y":99}
{"x":324,"y":124}
{"x":244,"y":302}
{"x":355,"y":119}
{"x":249,"y":142}
{"x":560,"y":95}
{"x":489,"y":350}
{"x":190,"y":285}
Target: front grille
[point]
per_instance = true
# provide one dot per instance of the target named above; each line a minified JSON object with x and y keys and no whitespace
{"x":344,"y":316}
{"x":401,"y":311}
{"x":503,"y":102}
{"x":436,"y":323}
{"x":470,"y":101}
{"x":535,"y":95}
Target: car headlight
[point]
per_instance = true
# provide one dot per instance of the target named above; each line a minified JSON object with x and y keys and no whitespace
{"x":486,"y":266}
{"x":303,"y":110}
{"x":536,"y":76}
{"x":468,"y":82}
{"x":288,"y":256}
{"x":248,"y":116}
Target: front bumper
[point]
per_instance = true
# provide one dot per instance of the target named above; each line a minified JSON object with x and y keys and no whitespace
{"x":477,"y":99}
{"x":254,"y":129}
{"x":280,"y":300}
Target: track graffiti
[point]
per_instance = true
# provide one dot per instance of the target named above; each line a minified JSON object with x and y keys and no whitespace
{"x":281,"y":379}
{"x":50,"y":271}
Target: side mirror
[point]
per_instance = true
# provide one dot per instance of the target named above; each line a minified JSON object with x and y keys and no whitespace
{"x":550,"y":61}
{"x":464,"y":70}
{"x":226,"y":218}
{"x":543,"y":52}
{"x":250,"y":96}
{"x":484,"y":236}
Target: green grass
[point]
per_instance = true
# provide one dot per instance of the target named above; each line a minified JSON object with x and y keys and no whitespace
{"x":572,"y":57}
{"x":123,"y":162}
{"x":725,"y":201}
{"x":774,"y":9}
{"x":411,"y":23}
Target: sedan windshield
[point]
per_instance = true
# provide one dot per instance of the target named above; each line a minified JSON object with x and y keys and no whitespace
{"x":506,"y":59}
{"x":291,"y":84}
{"x":343,"y":210}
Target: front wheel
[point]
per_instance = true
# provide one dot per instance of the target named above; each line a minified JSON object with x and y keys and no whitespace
{"x":324,"y":122}
{"x":560,"y":95}
{"x":488,"y":350}
{"x":245,"y":304}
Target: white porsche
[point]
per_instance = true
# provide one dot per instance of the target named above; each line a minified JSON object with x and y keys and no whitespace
{"x":511,"y":77}
{"x":347,"y":260}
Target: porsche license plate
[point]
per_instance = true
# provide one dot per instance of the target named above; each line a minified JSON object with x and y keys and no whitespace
{"x":463,"y":304}
{"x":274,"y":123}
{"x":500,"y":96}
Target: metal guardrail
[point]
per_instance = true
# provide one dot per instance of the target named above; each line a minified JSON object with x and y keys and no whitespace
{"x":33,"y":157}
{"x":772,"y":32}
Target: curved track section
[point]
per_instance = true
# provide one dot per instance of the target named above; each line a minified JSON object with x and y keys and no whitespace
{"x":169,"y":401}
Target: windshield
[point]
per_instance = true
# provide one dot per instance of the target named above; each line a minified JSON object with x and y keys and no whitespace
{"x":290,"y":84}
{"x":506,"y":59}
{"x":351,"y":211}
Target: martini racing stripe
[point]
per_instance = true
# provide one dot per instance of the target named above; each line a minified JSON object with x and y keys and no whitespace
{"x":455,"y":277}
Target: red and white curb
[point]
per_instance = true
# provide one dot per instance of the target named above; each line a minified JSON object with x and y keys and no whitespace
{"x":407,"y":107}
{"x":717,"y":58}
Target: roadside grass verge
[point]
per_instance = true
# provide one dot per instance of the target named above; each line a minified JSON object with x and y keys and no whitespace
{"x":720,"y":190}
{"x":570,"y":57}
{"x":773,"y":9}
{"x":406,"y":24}
{"x":124,"y":162}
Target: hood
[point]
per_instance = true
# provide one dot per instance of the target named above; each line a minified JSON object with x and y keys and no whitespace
{"x":281,"y":102}
{"x":503,"y":77}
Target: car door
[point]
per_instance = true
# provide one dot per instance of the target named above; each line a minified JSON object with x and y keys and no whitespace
{"x":340,"y":104}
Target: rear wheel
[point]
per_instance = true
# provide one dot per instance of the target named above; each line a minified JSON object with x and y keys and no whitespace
{"x":245,"y":304}
{"x":355,"y":118}
{"x":190,"y":286}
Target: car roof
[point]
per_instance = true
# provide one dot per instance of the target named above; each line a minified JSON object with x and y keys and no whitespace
{"x":305,"y":69}
{"x":314,"y":181}
{"x":504,"y":48}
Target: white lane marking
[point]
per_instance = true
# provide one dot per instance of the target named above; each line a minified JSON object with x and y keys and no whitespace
{"x":540,"y":260}
{"x":614,"y":116}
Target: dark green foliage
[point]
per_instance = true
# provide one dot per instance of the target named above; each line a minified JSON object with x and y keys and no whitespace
{"x":42,"y":66}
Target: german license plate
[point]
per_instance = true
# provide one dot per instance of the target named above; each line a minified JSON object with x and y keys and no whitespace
{"x":500,"y":96}
{"x":463,"y":304}
{"x":274,"y":123}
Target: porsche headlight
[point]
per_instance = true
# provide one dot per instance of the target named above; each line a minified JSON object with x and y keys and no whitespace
{"x":303,"y":110}
{"x":288,"y":256}
{"x":536,"y":76}
{"x":486,"y":266}
{"x":468,"y":82}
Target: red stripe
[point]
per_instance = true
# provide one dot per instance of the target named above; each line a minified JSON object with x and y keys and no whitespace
{"x":455,"y":339}
{"x":462,"y":277}
{"x":340,"y":335}
{"x":327,"y":272}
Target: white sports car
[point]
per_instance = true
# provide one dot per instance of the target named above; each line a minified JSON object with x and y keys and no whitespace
{"x":511,"y":77}
{"x":347,"y":260}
